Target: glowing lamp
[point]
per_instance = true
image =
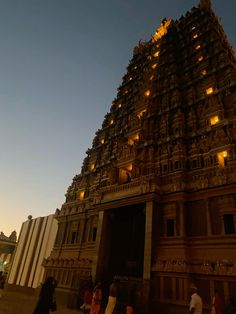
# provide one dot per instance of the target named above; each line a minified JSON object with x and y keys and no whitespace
{"x":147,"y":93}
{"x":81,"y":195}
{"x":214,"y":120}
{"x":209,"y":90}
{"x":156,"y":54}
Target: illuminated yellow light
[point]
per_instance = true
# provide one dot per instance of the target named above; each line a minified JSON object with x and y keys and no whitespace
{"x":194,"y":27}
{"x":147,"y":93}
{"x":198,"y":47}
{"x":125,"y":173}
{"x":81,"y":195}
{"x":195,"y":36}
{"x":130,"y":78}
{"x":162,"y":30}
{"x":221,"y":157}
{"x":151,"y":77}
{"x":92,"y":167}
{"x":200,"y":58}
{"x":154,"y":65}
{"x":129,"y":167}
{"x":133,"y":139}
{"x":204,"y":72}
{"x":102,"y":141}
{"x":135,"y":67}
{"x":112,"y":121}
{"x":214,"y":120}
{"x":156,"y":54}
{"x":141,"y":113}
{"x":119,"y":106}
{"x":209,"y":91}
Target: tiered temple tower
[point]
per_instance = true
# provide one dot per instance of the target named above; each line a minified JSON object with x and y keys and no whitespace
{"x":156,"y":198}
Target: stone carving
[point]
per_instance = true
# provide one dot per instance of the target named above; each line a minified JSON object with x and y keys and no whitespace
{"x":11,"y":238}
{"x":224,"y":268}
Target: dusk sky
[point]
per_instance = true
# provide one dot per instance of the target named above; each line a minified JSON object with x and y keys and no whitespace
{"x":61,"y":62}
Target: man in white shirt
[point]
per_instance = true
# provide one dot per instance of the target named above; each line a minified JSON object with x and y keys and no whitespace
{"x":195,"y":306}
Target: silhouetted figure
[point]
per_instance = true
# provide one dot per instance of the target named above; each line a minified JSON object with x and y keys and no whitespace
{"x":87,"y":298}
{"x":231,"y":307}
{"x":2,"y":282}
{"x":112,"y":299}
{"x":128,"y":177}
{"x":97,"y":299}
{"x":131,"y":300}
{"x":46,"y":297}
{"x":217,"y":304}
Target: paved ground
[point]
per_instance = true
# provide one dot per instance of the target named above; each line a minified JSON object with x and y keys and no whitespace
{"x":19,"y":303}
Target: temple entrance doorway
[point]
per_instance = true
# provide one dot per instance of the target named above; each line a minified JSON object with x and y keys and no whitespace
{"x":126,"y":236}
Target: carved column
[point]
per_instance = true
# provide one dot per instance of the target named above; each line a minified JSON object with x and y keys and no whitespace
{"x":208,"y":217}
{"x":161,"y":287}
{"x":82,"y":232}
{"x":95,"y":266}
{"x":173,"y":283}
{"x":148,"y":241}
{"x":181,"y":219}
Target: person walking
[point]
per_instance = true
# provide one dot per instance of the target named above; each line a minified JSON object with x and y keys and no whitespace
{"x":231,"y":306}
{"x":130,"y":300}
{"x":96,"y":299}
{"x":112,"y":299}
{"x":195,"y":306}
{"x":87,"y":298}
{"x":217,"y":304}
{"x":46,"y":300}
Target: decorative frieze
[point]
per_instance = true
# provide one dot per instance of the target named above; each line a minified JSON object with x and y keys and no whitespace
{"x":213,"y":268}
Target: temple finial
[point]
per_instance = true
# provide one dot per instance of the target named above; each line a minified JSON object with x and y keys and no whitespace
{"x":205,"y":4}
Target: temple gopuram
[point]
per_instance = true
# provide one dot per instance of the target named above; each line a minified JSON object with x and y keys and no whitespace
{"x":7,"y":249}
{"x":155,"y":202}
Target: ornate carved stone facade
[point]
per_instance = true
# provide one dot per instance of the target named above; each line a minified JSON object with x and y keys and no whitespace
{"x":155,"y":199}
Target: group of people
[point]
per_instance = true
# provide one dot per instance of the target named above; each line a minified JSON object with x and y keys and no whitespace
{"x":92,"y":300}
{"x":217,"y":305}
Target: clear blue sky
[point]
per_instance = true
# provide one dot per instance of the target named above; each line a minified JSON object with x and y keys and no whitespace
{"x":61,"y":62}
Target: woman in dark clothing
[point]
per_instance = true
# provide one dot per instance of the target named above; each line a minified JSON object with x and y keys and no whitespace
{"x":45,"y":302}
{"x":231,"y":306}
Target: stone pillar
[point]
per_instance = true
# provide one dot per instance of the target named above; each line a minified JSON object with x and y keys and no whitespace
{"x":82,"y":232}
{"x":181,"y":219}
{"x":186,"y":289}
{"x":212,"y":288}
{"x":148,"y":241}
{"x":173,"y":283}
{"x":161,"y":287}
{"x":209,"y":232}
{"x":226,"y":290}
{"x":181,"y":288}
{"x":97,"y":244}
